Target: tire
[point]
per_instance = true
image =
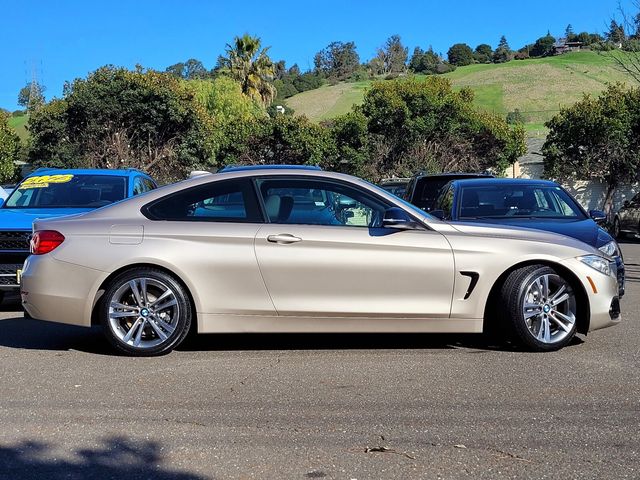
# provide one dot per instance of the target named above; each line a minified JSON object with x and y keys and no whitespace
{"x":152,"y":320}
{"x":538,"y":308}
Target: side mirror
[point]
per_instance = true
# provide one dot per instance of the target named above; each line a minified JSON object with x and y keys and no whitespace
{"x":438,"y":214}
{"x":598,"y":216}
{"x":626,"y":204}
{"x":399,"y":219}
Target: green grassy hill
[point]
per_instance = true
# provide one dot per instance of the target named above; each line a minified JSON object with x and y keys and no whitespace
{"x":19,"y":124}
{"x":537,"y":87}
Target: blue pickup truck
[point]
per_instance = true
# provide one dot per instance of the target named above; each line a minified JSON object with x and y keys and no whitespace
{"x":49,"y":193}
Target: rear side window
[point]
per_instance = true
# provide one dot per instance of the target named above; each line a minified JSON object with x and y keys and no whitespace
{"x":227,"y":201}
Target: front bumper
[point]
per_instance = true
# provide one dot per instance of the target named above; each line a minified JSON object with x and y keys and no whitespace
{"x":59,"y":291}
{"x":620,"y":275}
{"x":602,"y":292}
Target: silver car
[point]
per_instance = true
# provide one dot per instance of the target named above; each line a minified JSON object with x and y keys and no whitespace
{"x":303,"y":250}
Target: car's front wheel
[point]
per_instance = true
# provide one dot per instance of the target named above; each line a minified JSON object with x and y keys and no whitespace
{"x":539,"y":308}
{"x":145,"y":312}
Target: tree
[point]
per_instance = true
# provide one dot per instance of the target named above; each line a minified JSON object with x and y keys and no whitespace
{"x":543,"y":46}
{"x":338,"y":60}
{"x":9,"y":149}
{"x":31,"y":96}
{"x":415,"y":125}
{"x":596,"y":138}
{"x":460,"y":54}
{"x":569,"y":34}
{"x":483,"y":53}
{"x":250,"y":65}
{"x":428,"y":62}
{"x":503,"y":53}
{"x":189,"y":70}
{"x":616,"y":33}
{"x":393,"y":56}
{"x":117,"y":118}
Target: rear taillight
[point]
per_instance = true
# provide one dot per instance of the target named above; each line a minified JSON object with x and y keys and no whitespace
{"x":44,"y":241}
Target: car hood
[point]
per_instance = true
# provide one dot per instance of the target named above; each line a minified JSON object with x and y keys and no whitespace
{"x":520,"y":233}
{"x":585,"y":230}
{"x":22,"y":218}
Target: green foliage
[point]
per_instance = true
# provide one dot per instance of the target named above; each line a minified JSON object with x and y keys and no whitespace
{"x":31,"y":96}
{"x":483,"y":53}
{"x":350,"y":135}
{"x":460,"y":54}
{"x":543,"y":46}
{"x":616,"y":33}
{"x":596,"y":138}
{"x":503,"y":53}
{"x":9,"y":150}
{"x":391,"y":58}
{"x":338,"y":60}
{"x":415,"y":124}
{"x":515,"y":117}
{"x":428,"y":62}
{"x":117,"y":118}
{"x":282,"y":139}
{"x":250,"y":65}
{"x":190,"y":70}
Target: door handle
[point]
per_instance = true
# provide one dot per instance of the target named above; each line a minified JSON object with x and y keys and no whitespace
{"x":283,"y":238}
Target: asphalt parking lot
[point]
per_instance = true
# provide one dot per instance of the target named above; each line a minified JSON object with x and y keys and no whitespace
{"x":330,"y":406}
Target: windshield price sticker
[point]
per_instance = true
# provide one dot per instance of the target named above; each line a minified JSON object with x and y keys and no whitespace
{"x":44,"y":180}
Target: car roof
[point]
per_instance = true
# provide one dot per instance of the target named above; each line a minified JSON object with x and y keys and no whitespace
{"x":123,"y":172}
{"x":476,"y":182}
{"x":454,"y":174}
{"x":243,"y":168}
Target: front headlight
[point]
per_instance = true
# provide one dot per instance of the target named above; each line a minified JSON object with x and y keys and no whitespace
{"x":597,"y":263}
{"x":610,"y":249}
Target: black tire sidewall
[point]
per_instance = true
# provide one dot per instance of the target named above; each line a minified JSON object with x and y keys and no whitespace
{"x":183,"y":323}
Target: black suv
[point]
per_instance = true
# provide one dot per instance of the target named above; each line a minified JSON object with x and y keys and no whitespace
{"x":423,"y":189}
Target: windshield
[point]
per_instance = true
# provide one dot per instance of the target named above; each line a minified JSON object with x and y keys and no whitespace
{"x":517,"y":201}
{"x":409,"y":206}
{"x":67,"y":191}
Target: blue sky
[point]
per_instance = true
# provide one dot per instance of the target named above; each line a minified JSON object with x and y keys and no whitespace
{"x":64,"y":40}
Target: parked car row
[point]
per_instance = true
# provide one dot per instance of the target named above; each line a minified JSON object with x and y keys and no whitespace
{"x":298,"y":249}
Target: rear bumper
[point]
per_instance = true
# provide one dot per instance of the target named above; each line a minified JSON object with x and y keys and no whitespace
{"x":59,"y":291}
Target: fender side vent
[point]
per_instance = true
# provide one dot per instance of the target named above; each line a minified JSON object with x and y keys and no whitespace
{"x":474,"y":276}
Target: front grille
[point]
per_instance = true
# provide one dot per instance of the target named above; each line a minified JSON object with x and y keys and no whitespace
{"x":8,"y":273}
{"x":15,"y":240}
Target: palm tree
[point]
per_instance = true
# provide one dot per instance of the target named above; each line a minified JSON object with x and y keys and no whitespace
{"x":250,"y":66}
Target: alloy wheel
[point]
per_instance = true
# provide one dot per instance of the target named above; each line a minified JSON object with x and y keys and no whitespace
{"x":549,"y":308}
{"x":143,"y":312}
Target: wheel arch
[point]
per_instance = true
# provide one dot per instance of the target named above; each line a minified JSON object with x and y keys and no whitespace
{"x":96,"y":300}
{"x":584,"y":313}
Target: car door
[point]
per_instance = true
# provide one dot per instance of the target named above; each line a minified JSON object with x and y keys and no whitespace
{"x":324,"y":253}
{"x":208,"y":232}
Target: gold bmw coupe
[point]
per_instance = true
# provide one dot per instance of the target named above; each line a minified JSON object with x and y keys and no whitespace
{"x":298,"y":249}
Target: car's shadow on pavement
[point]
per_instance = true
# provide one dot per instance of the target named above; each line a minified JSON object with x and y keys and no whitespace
{"x":23,"y":333}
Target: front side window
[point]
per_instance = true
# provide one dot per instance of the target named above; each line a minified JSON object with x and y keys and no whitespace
{"x":226,"y":201}
{"x":513,"y":201}
{"x":138,"y":186}
{"x":319,"y":202}
{"x":68,"y":191}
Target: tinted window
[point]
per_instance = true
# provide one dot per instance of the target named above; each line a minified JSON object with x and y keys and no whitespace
{"x":68,"y":191}
{"x":427,"y":191}
{"x":138,"y":186}
{"x":228,"y":201}
{"x":148,"y":184}
{"x":445,"y":202}
{"x":513,"y":201}
{"x":318,"y":202}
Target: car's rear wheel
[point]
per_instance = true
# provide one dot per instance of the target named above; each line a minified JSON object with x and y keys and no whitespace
{"x":145,"y":312}
{"x":539,"y":308}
